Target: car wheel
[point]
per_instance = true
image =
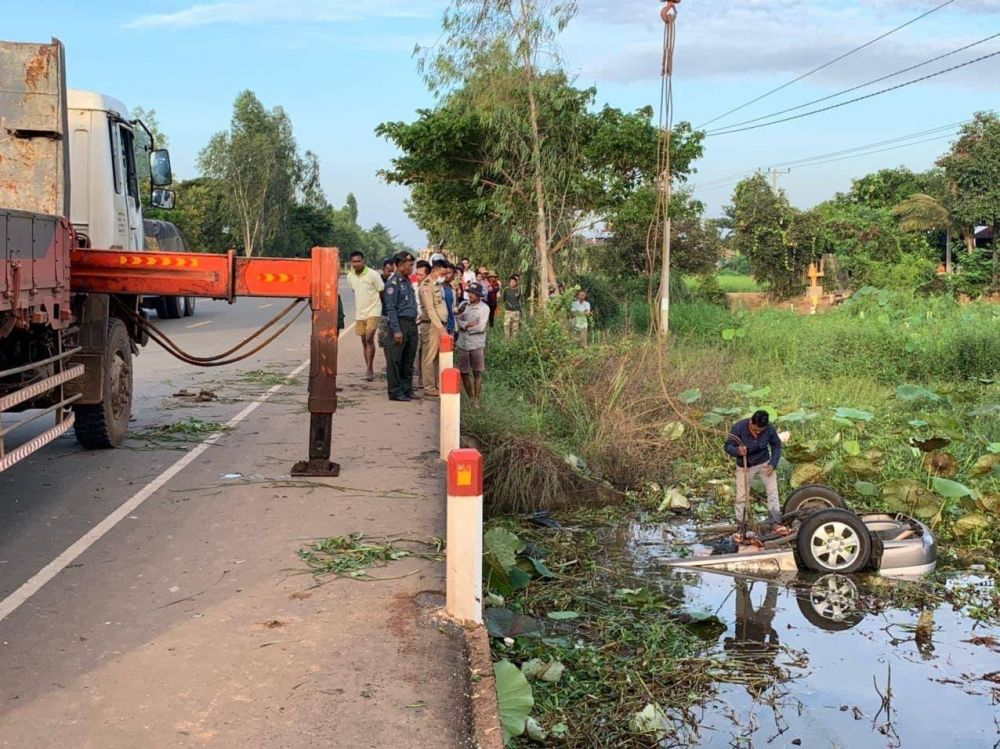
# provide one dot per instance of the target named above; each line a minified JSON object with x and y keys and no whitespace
{"x":831,"y":603}
{"x":813,"y":497}
{"x":834,"y":541}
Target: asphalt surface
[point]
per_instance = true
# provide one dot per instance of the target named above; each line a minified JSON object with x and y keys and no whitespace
{"x":54,"y":497}
{"x":155,"y":595}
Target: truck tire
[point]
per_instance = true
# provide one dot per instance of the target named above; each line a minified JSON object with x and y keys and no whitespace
{"x":170,"y":307}
{"x":189,"y":304}
{"x":834,"y":541}
{"x":105,"y":424}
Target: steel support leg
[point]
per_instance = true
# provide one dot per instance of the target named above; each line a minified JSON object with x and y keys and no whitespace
{"x":322,"y":364}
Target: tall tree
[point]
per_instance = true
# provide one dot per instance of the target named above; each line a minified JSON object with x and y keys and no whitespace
{"x":478,"y":33}
{"x":778,"y":241}
{"x":258,"y":161}
{"x":973,"y":167}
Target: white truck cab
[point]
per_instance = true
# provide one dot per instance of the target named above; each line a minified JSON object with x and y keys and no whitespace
{"x":105,"y":202}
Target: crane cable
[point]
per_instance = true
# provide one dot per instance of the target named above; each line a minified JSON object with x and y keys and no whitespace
{"x":660,"y":214}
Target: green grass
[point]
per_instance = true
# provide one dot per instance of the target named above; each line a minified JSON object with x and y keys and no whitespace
{"x":731,"y":283}
{"x":728,"y":282}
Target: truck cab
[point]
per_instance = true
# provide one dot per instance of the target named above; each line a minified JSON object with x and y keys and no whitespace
{"x":105,"y":199}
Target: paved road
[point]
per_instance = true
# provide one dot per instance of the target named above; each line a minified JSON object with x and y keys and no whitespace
{"x":152,"y":595}
{"x":52,"y":499}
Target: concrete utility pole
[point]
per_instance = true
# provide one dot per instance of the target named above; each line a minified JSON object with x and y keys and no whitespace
{"x":775,"y":173}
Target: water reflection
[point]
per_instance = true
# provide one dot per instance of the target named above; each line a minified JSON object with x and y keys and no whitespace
{"x":828,"y":660}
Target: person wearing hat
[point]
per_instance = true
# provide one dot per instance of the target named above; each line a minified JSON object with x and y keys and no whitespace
{"x":433,"y":322}
{"x":472,"y":323}
{"x":401,"y":310}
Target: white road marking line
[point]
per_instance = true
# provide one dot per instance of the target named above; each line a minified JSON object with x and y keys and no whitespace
{"x":265,"y":306}
{"x":198,"y":324}
{"x":12,"y":602}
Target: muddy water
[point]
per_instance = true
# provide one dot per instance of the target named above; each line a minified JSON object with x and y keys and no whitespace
{"x":828,"y":661}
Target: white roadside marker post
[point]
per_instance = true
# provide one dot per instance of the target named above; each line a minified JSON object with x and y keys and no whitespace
{"x":451,"y":406}
{"x":446,"y":354}
{"x":464,"y":551}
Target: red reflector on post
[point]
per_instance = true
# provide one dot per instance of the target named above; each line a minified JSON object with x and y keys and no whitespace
{"x":465,"y":473}
{"x":451,"y":381}
{"x":447,"y":343}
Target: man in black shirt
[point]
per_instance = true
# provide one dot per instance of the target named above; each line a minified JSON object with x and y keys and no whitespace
{"x":512,"y":308}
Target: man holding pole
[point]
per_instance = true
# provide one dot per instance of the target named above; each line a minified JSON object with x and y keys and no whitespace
{"x":755,"y":445}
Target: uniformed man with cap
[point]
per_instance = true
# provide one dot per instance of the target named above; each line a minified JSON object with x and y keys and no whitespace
{"x":433,"y":324}
{"x":401,"y":311}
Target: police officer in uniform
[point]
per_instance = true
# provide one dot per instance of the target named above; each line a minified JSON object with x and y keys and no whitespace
{"x":401,"y":310}
{"x":433,"y":323}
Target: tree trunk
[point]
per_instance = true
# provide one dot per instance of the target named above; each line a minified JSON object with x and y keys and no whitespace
{"x":541,"y":226}
{"x":541,"y":230}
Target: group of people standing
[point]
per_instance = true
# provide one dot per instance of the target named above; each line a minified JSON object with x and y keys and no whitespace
{"x":410,"y":305}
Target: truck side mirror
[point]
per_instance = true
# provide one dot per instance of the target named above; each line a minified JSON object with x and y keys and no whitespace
{"x":159,"y":168}
{"x":163,"y":198}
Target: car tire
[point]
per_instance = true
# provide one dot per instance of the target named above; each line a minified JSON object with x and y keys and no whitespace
{"x":104,"y":425}
{"x":813,"y":497}
{"x":831,"y":603}
{"x":834,"y":540}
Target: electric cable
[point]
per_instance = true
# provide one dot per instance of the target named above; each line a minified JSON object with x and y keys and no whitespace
{"x":860,"y":85}
{"x":856,"y":99}
{"x":828,"y":64}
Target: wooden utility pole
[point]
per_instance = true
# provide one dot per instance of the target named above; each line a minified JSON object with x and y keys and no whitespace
{"x":668,"y":13}
{"x":665,"y":260}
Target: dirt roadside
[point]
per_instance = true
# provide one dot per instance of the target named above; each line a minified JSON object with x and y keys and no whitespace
{"x":244,"y":650}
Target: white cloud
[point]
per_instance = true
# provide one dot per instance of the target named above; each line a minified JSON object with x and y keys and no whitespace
{"x":246,"y":12}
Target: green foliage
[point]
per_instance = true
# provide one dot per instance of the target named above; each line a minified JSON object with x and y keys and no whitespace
{"x":257,"y":159}
{"x":778,"y":241}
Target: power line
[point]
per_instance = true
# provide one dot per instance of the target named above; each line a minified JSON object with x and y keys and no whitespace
{"x":858,"y":98}
{"x":860,"y":86}
{"x":843,"y":154}
{"x":828,"y":64}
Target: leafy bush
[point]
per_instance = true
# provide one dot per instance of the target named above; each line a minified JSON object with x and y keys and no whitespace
{"x":737,"y":265}
{"x":708,"y":290}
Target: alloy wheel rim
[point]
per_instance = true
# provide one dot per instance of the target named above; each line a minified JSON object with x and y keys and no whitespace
{"x":835,"y":545}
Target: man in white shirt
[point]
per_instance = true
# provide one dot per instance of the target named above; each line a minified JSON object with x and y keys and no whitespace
{"x":367,"y":286}
{"x":580,"y":314}
{"x":472,"y":323}
{"x":468,"y":277}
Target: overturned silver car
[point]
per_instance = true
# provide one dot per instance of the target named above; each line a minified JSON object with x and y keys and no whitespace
{"x":826,"y":537}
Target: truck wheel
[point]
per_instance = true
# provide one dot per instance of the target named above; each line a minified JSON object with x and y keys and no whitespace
{"x":105,"y":424}
{"x":834,"y":541}
{"x":189,"y":304}
{"x":173,"y":306}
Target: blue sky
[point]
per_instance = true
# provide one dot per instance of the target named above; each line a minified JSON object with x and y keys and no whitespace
{"x":340,"y":67}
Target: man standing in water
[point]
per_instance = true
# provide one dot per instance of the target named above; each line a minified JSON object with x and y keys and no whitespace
{"x":755,"y":445}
